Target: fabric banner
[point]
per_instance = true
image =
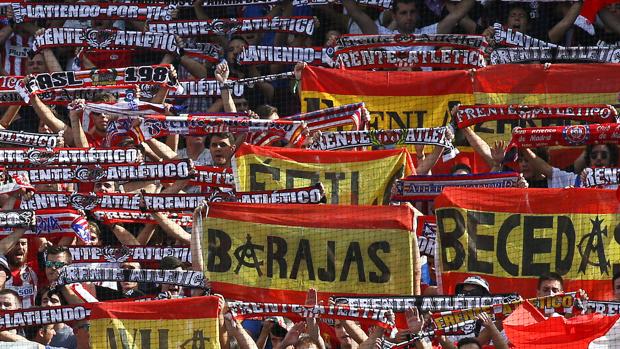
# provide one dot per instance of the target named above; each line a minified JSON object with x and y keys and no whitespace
{"x":428,"y":187}
{"x":425,"y":303}
{"x":376,"y":59}
{"x":17,"y":219}
{"x":133,"y":216}
{"x":264,"y":78}
{"x":375,"y":316}
{"x":24,"y":12}
{"x":214,"y":176}
{"x":166,"y":170}
{"x":521,"y":234}
{"x":426,"y":230}
{"x":468,"y":115}
{"x":314,"y":194}
{"x":356,"y":41}
{"x":53,"y":223}
{"x":42,"y":316}
{"x":61,"y":96}
{"x":604,"y":307}
{"x":594,"y":177}
{"x":573,"y":135}
{"x":106,"y":38}
{"x":286,"y":55}
{"x":171,"y":323}
{"x":116,"y":254}
{"x":187,"y":278}
{"x":350,"y":177}
{"x":354,"y":116}
{"x":68,"y":156}
{"x":254,"y":252}
{"x":39,"y":140}
{"x":203,"y":88}
{"x":352,"y":139}
{"x":204,"y":50}
{"x":512,"y":37}
{"x":590,"y":54}
{"x":229,"y":26}
{"x":385,"y":4}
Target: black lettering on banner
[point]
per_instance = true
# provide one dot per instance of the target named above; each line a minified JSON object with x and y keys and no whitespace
{"x":329,"y":272}
{"x":144,"y":337}
{"x":219,"y":245}
{"x":512,"y":222}
{"x":276,"y":251}
{"x":303,"y":253}
{"x":479,"y":242}
{"x":533,"y":245}
{"x":262,"y":168}
{"x":450,"y":239}
{"x":565,"y":229}
{"x":373,"y":249}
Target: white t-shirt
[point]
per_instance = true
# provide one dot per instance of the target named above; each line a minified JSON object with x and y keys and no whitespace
{"x":563,"y":179}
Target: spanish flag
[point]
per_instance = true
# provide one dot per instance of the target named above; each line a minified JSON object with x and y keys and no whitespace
{"x":258,"y":252}
{"x":174,"y":323}
{"x":512,"y":236}
{"x":349,"y":177}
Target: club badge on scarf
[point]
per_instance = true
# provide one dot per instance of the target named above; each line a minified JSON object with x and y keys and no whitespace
{"x":116,"y":254}
{"x":68,"y":156}
{"x":424,"y":188}
{"x":468,"y":115}
{"x":26,"y":12}
{"x":573,"y":135}
{"x":229,"y":26}
{"x":355,"y":42}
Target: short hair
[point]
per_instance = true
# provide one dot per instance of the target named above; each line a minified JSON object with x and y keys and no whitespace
{"x":239,"y":37}
{"x":95,"y":228}
{"x":551,"y":276}
{"x":613,"y":153}
{"x":460,"y":167}
{"x":224,"y":135}
{"x":396,"y":2}
{"x":541,"y":152}
{"x":8,"y":291}
{"x":264,"y":111}
{"x":50,"y":292}
{"x":32,"y":331}
{"x":468,"y":340}
{"x":104,"y":97}
{"x":307,"y":341}
{"x":56,"y":250}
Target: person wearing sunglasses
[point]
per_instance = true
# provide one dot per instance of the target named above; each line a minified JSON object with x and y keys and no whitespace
{"x":58,"y":257}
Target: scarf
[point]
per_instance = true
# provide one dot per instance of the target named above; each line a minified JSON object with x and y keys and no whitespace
{"x":265,"y":78}
{"x":354,"y":115}
{"x":292,"y":25}
{"x":510,"y":37}
{"x":57,"y":97}
{"x":204,"y":50}
{"x":26,"y":12}
{"x":351,"y":139}
{"x":214,"y":176}
{"x":17,"y":219}
{"x":424,"y":188}
{"x":556,"y":54}
{"x":468,"y":115}
{"x":14,"y":182}
{"x":314,"y":194}
{"x":286,"y":55}
{"x":42,"y":316}
{"x":186,"y":278}
{"x":203,"y":88}
{"x":384,"y":4}
{"x":102,"y":39}
{"x":360,"y":41}
{"x":377,"y":59}
{"x":134,"y":216}
{"x":115,"y":254}
{"x":41,"y":140}
{"x":55,"y":223}
{"x":123,"y":201}
{"x":595,"y":177}
{"x":573,"y":135}
{"x":166,"y":170}
{"x":161,"y":75}
{"x":244,"y":310}
{"x":68,"y":156}
{"x":603,"y":307}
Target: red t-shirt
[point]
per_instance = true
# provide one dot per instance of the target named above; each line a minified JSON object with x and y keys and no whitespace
{"x":103,"y":59}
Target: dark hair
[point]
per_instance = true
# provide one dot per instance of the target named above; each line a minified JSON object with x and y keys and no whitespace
{"x":104,"y":97}
{"x":307,"y":341}
{"x":239,"y":37}
{"x":50,"y":292}
{"x":264,"y":111}
{"x":7,"y":291}
{"x":550,"y":277}
{"x":460,"y":167}
{"x":613,"y":279}
{"x":613,"y":153}
{"x":396,"y":2}
{"x":468,"y":340}
{"x":224,"y":135}
{"x":55,"y":250}
{"x":541,"y":152}
{"x":518,"y":5}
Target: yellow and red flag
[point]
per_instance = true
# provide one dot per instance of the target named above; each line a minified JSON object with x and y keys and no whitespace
{"x":258,"y":252}
{"x":172,"y":323}
{"x":512,"y":236}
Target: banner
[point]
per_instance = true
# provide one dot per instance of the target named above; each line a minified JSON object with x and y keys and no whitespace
{"x":426,"y":230}
{"x":356,"y":41}
{"x":286,"y":55}
{"x":603,"y":307}
{"x":120,"y":254}
{"x":40,"y":140}
{"x":171,"y":323}
{"x":166,"y":170}
{"x":376,"y":59}
{"x":133,"y":216}
{"x":231,"y":84}
{"x":428,"y":187}
{"x":353,"y":116}
{"x":254,"y":252}
{"x":61,"y":96}
{"x":187,"y":278}
{"x":380,"y":138}
{"x":520,"y":234}
{"x":68,"y":156}
{"x":314,"y":194}
{"x":350,"y":177}
{"x":203,"y":88}
{"x":230,"y":26}
{"x":512,"y":37}
{"x":385,"y":4}
{"x":468,"y":115}
{"x":106,"y":38}
{"x":23,"y":11}
{"x":425,"y":303}
{"x":54,"y":223}
{"x":573,"y":135}
{"x":17,"y":219}
{"x":42,"y":316}
{"x":594,"y":177}
{"x":576,"y":54}
{"x":214,"y":176}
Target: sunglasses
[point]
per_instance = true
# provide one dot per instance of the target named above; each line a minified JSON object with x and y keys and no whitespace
{"x":595,"y":155}
{"x":55,"y":265}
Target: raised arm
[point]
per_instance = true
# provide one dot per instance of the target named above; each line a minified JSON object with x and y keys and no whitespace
{"x":537,"y":163}
{"x":366,"y":23}
{"x":76,"y":108}
{"x":221,"y":75}
{"x":557,"y":32}
{"x":447,"y":24}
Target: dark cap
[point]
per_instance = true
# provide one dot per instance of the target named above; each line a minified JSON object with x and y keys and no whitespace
{"x":170,"y":262}
{"x":4,"y":264}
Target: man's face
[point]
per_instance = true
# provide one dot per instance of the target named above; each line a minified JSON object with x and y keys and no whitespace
{"x":47,"y":334}
{"x":100,"y":122}
{"x":50,"y":301}
{"x":8,"y":302}
{"x":53,"y":264}
{"x":346,"y":342}
{"x":221,"y":151}
{"x":235,"y":47}
{"x":18,"y":254}
{"x":526,"y":169}
{"x":3,"y":277}
{"x":473,"y":290}
{"x":600,"y":156}
{"x":126,"y":286}
{"x":104,"y":187}
{"x":242,"y":104}
{"x":194,"y":141}
{"x":36,"y":65}
{"x":517,"y":19}
{"x":174,"y":290}
{"x":617,"y":290}
{"x":406,"y":17}
{"x":549,"y":288}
